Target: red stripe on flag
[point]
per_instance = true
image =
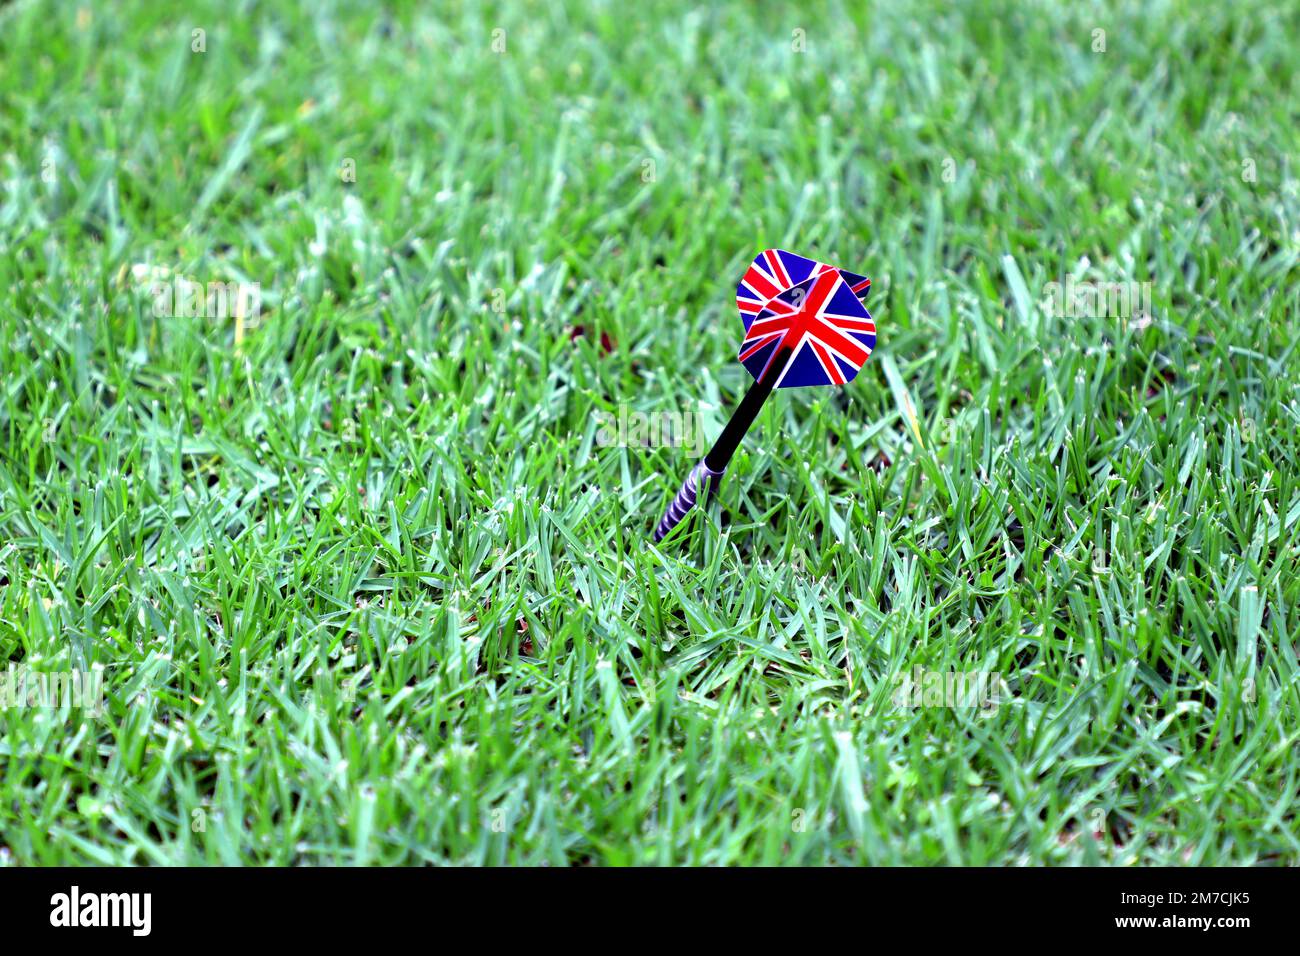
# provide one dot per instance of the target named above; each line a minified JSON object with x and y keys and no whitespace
{"x":837,"y":342}
{"x":820,"y":293}
{"x":828,"y":363}
{"x":757,"y":281}
{"x":757,"y":346}
{"x":777,"y":269}
{"x":765,"y":326}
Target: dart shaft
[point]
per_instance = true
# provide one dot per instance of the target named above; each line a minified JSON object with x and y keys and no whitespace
{"x":712,"y":466}
{"x":720,"y":454}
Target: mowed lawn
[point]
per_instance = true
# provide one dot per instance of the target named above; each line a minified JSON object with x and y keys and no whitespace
{"x":364,"y":580}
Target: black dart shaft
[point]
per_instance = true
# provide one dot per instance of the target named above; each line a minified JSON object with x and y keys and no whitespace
{"x":712,"y":466}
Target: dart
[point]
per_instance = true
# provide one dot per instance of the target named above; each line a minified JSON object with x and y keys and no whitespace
{"x":806,"y":323}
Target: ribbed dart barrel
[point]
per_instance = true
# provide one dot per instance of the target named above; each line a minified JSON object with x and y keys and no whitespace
{"x":687,"y":496}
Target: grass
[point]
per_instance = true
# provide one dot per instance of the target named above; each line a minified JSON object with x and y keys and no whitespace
{"x":365,"y":588}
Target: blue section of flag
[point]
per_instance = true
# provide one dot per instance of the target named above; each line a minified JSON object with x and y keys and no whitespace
{"x":804,"y":369}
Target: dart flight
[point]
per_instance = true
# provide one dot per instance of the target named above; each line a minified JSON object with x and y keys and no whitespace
{"x":806,"y":323}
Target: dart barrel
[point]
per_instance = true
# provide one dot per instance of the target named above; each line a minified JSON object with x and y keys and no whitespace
{"x":687,"y":497}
